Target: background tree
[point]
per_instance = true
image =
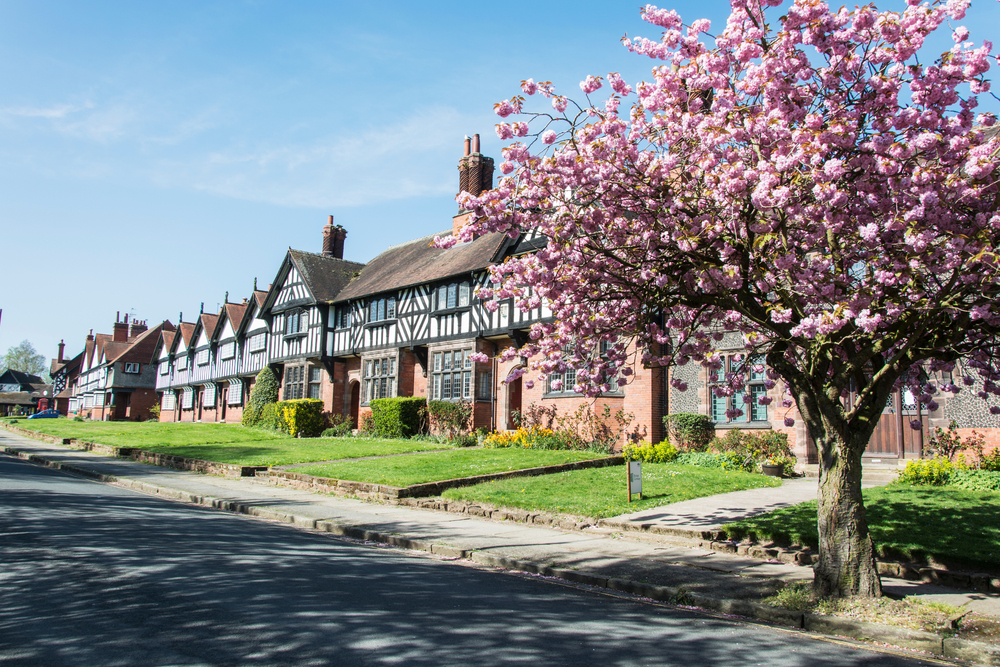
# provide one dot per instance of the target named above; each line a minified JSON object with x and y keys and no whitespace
{"x":806,"y":180}
{"x":23,"y":357}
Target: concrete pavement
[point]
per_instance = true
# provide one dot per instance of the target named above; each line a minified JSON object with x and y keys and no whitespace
{"x":658,"y":566}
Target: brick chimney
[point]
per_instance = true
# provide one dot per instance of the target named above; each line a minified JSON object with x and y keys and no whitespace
{"x":137,"y":328}
{"x":333,"y":239}
{"x":120,"y":330}
{"x":475,"y":176}
{"x":90,"y":336}
{"x":62,"y":346}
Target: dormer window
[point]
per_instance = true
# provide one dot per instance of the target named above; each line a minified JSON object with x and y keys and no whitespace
{"x":202,"y":357}
{"x":453,"y":295}
{"x":131,"y":367}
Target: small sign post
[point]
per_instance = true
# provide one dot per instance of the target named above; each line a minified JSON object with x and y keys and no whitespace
{"x":634,"y":469}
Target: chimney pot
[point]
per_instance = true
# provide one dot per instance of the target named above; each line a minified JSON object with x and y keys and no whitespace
{"x":62,"y":344}
{"x":468,"y":142}
{"x":475,"y":143}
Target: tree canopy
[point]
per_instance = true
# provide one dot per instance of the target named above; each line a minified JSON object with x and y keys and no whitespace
{"x":23,"y":357}
{"x":807,"y":177}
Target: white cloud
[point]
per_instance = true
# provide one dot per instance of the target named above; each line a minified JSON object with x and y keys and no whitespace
{"x":53,"y":112}
{"x":348,"y":169}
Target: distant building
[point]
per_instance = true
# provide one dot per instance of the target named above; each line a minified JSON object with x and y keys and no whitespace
{"x":22,"y":393}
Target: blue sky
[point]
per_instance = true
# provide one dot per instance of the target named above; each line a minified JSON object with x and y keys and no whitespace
{"x":157,"y":155}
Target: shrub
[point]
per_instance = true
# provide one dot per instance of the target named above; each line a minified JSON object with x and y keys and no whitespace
{"x":976,"y":480}
{"x":265,"y":391}
{"x":154,"y":412}
{"x":948,"y":444}
{"x":302,"y":417}
{"x":271,"y":417}
{"x":937,"y":470}
{"x":724,"y":460}
{"x":691,"y":431}
{"x":367,"y":426}
{"x":649,"y":453}
{"x":452,"y":418}
{"x":991,"y":461}
{"x":396,"y":417}
{"x":338,"y":425}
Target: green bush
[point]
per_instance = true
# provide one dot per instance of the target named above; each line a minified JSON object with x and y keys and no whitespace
{"x":452,"y":418}
{"x":976,"y":480}
{"x":690,"y":431}
{"x":302,"y":417}
{"x":723,"y":460}
{"x":937,"y":471}
{"x":398,"y":417}
{"x":991,"y":461}
{"x":272,"y":418}
{"x":339,"y":426}
{"x":265,"y":391}
{"x":649,"y":453}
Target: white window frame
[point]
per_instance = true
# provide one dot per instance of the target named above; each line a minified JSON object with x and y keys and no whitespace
{"x":378,"y":378}
{"x":753,"y":413}
{"x":227,"y":350}
{"x":445,"y":373}
{"x":132,"y":367}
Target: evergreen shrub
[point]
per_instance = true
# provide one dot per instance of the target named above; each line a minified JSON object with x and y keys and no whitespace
{"x":452,"y":418}
{"x":398,"y":417}
{"x":302,"y":417}
{"x":690,"y":431}
{"x":265,"y":391}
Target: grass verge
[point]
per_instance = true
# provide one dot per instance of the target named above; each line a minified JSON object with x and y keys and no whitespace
{"x":224,"y":443}
{"x":601,"y":492}
{"x":918,"y":523}
{"x":434,"y":467}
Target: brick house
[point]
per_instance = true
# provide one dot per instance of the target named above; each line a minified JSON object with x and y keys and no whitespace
{"x":117,"y":374}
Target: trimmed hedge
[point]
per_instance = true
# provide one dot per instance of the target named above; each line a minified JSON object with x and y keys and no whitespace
{"x":689,"y":430}
{"x":398,"y":417}
{"x":303,"y":417}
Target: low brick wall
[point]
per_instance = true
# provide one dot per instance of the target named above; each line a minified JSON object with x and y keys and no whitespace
{"x":384,"y":492}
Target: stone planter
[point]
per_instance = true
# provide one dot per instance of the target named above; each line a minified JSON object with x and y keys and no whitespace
{"x":772,"y":469}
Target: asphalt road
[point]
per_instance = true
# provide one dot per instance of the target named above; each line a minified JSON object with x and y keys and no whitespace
{"x":92,"y":574}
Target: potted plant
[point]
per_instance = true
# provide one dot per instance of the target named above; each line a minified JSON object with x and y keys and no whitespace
{"x":773,"y":466}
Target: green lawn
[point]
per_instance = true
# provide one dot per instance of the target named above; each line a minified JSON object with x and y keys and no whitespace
{"x":421,"y":468}
{"x":915,"y":522}
{"x":224,"y":443}
{"x":601,"y":492}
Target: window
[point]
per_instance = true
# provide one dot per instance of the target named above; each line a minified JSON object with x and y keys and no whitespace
{"x":258,"y":342}
{"x":182,"y":362}
{"x":227,"y":350}
{"x":202,"y":357}
{"x":745,"y":402}
{"x":169,"y":401}
{"x":382,"y":309}
{"x":451,"y":378}
{"x":235,"y":396}
{"x":343,"y":317}
{"x":294,"y":382}
{"x":164,"y":367}
{"x":131,"y":367}
{"x":208,"y":396}
{"x":379,"y":378}
{"x":99,"y":399}
{"x":562,"y":383}
{"x":315,"y":380}
{"x":187,"y":400}
{"x":453,"y":295}
{"x":294,"y":322}
{"x":485,"y":385}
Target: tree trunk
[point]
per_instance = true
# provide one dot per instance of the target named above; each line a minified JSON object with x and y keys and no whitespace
{"x":846,"y":564}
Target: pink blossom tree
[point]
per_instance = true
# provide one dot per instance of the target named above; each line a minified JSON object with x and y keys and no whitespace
{"x":804,"y":179}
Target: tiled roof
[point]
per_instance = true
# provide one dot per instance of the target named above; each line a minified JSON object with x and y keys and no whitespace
{"x":324,"y":276}
{"x":20,"y":377}
{"x":168,"y":338}
{"x":141,"y":348}
{"x":208,"y":323}
{"x":260,"y":296}
{"x":233,"y":313}
{"x":418,"y":262}
{"x":186,"y":329}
